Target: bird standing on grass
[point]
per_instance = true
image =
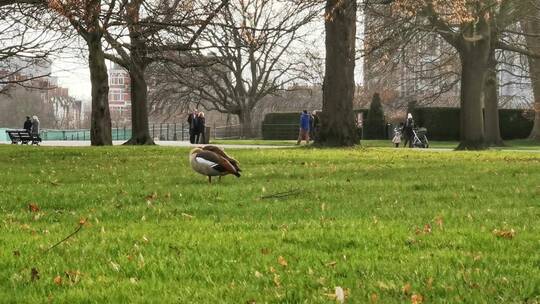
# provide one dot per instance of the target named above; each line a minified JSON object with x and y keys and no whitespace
{"x":213,"y":161}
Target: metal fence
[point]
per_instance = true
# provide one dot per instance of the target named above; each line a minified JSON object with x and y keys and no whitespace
{"x":180,"y":132}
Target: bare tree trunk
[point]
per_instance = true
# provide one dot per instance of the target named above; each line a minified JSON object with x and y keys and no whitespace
{"x":139,"y":109}
{"x":532,"y":26}
{"x":491,"y":104}
{"x":246,"y":127}
{"x":473,"y":71}
{"x":100,"y":125}
{"x":338,"y":127}
{"x":534,"y":67}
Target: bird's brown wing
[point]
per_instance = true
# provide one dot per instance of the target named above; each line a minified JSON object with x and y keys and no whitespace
{"x":222,"y":153}
{"x":222,"y":164}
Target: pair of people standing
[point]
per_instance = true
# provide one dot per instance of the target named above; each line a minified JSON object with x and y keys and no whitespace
{"x":197,"y":127}
{"x":32,"y":125}
{"x":309,"y":126}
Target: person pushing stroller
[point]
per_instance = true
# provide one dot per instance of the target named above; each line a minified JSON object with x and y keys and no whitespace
{"x":408,"y":132}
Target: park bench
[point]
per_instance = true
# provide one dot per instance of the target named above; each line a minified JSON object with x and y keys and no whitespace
{"x":23,"y":137}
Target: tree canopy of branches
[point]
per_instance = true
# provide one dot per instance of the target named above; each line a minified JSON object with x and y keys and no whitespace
{"x":531,"y":28}
{"x":252,"y":51}
{"x":145,"y":31}
{"x":475,"y":29}
{"x":87,"y":19}
{"x":27,"y":38}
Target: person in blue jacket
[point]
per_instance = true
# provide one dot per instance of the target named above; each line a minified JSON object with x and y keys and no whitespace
{"x":305,"y":121}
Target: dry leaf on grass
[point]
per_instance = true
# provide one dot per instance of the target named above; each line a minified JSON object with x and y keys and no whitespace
{"x":331,"y":264}
{"x":73,"y":275}
{"x":374,"y":298}
{"x":57,"y":280}
{"x":417,"y":299}
{"x":282,"y":261}
{"x":406,"y":288}
{"x":506,"y":234}
{"x":151,"y":197}
{"x":33,"y":207}
{"x":188,"y":216}
{"x":34,"y":274}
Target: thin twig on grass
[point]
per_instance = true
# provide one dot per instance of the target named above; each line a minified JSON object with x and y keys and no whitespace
{"x":81,"y":224}
{"x":282,"y":194}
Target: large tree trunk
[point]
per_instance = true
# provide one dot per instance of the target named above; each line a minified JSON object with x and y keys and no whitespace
{"x":139,"y":109}
{"x":100,"y":125}
{"x":472,"y":87}
{"x":534,"y":67}
{"x":532,"y":27}
{"x":338,"y":127}
{"x":246,"y":127}
{"x":491,"y":104}
{"x":474,"y":49}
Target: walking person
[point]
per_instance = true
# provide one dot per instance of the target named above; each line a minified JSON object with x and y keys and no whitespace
{"x":201,"y":128}
{"x":28,"y":125}
{"x":192,"y":121}
{"x":408,"y":131}
{"x":304,"y":128}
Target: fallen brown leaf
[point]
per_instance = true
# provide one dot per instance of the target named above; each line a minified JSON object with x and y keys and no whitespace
{"x":58,"y":280}
{"x":374,"y":298}
{"x":507,"y":234}
{"x":34,"y":274}
{"x":282,"y":261}
{"x":33,"y":207}
{"x":406,"y":288}
{"x":417,"y":299}
{"x":73,"y":275}
{"x":331,"y":264}
{"x":151,"y":197}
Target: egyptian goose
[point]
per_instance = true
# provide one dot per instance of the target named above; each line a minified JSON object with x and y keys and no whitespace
{"x":212,"y":161}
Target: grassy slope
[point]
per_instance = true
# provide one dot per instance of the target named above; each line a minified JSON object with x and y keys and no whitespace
{"x":354,"y":226}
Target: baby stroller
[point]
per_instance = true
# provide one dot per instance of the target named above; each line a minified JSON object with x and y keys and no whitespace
{"x":419,"y":139}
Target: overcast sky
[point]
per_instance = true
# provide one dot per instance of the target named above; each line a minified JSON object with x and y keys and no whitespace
{"x":75,"y":76}
{"x":72,"y":70}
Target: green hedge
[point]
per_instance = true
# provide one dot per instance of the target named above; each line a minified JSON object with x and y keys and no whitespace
{"x":284,"y":126}
{"x":444,"y":123}
{"x":441,"y":123}
{"x":515,"y":124}
{"x":374,"y":127}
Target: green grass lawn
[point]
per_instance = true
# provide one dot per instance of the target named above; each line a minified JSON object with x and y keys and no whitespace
{"x":388,"y":226}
